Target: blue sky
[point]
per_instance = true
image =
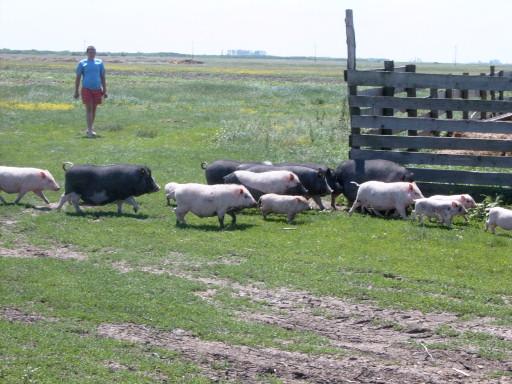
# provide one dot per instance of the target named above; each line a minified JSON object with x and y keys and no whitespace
{"x":401,"y":30}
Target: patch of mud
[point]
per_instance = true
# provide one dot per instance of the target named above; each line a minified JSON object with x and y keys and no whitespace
{"x":16,"y":316}
{"x":220,"y":361}
{"x":379,"y":339}
{"x":24,"y":250}
{"x":61,"y":252}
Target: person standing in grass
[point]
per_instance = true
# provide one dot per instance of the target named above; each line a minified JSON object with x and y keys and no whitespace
{"x":94,"y":86}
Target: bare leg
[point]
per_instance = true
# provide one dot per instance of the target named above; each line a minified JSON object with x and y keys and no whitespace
{"x":89,"y":114}
{"x":93,"y":116}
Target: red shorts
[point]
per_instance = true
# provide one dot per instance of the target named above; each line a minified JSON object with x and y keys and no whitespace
{"x":91,"y":96}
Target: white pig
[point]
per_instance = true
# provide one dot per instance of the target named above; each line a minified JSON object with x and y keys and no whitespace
{"x":465,"y":200}
{"x":499,"y":217}
{"x":280,"y":182}
{"x":291,"y":205}
{"x":22,"y":180}
{"x":210,"y":200}
{"x":381,"y":196}
{"x":441,"y":209}
{"x":170,"y":190}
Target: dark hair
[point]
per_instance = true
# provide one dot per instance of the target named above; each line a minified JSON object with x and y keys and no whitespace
{"x":90,"y":47}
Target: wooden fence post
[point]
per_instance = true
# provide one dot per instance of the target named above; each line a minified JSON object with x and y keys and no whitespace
{"x":411,"y":92}
{"x":500,"y":93}
{"x":389,"y":66}
{"x":351,"y":65}
{"x":434,"y":114}
{"x":465,"y":94}
{"x":483,"y":96}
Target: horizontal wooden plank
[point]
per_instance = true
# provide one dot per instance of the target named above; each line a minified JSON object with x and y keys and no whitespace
{"x":428,"y":124}
{"x":370,"y":92}
{"x":432,"y":158}
{"x":430,"y":104}
{"x":462,"y":177}
{"x":421,"y":142}
{"x":477,"y":192}
{"x":426,"y":80}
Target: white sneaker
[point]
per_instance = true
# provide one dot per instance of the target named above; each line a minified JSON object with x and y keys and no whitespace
{"x":91,"y":134}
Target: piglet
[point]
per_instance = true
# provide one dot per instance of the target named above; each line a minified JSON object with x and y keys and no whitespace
{"x":290,"y":205}
{"x":211,"y":200}
{"x":465,"y":200}
{"x":499,"y":217}
{"x":442,"y":209}
{"x":381,"y":196}
{"x":22,"y":180}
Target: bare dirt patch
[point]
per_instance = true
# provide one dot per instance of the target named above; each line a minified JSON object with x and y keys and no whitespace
{"x":17,"y":316}
{"x":26,"y":251}
{"x":384,"y":345}
{"x":220,"y":361}
{"x":61,"y":252}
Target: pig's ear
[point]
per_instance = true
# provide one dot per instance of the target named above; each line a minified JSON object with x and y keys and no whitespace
{"x":454,"y":204}
{"x":320,"y":173}
{"x":290,"y":177}
{"x":42,"y":174}
{"x":297,"y":199}
{"x":241,"y":191}
{"x":463,"y":198}
{"x":411,"y":187}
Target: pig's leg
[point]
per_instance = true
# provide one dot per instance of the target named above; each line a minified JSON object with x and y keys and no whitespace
{"x":42,"y":196}
{"x":377,"y":213}
{"x":491,"y":226}
{"x":120,"y":206}
{"x":131,"y":201}
{"x":72,"y":197}
{"x":291,"y":216}
{"x":221,"y":219}
{"x":333,"y":200}
{"x":233,"y":218}
{"x":63,"y":200}
{"x":180,"y":215}
{"x":20,"y":195}
{"x":356,"y":204}
{"x":318,"y":202}
{"x":401,"y":211}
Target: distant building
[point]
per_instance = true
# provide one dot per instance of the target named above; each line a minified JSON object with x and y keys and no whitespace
{"x":245,"y":52}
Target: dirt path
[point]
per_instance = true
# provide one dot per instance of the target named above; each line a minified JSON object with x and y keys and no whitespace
{"x":383,"y":346}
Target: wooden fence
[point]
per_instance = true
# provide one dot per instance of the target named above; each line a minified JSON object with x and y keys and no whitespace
{"x":412,"y":118}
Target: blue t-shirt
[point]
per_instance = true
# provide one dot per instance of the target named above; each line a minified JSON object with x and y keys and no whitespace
{"x":91,"y":70}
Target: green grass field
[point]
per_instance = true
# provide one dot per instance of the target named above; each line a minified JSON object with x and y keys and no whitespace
{"x":141,"y":269}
